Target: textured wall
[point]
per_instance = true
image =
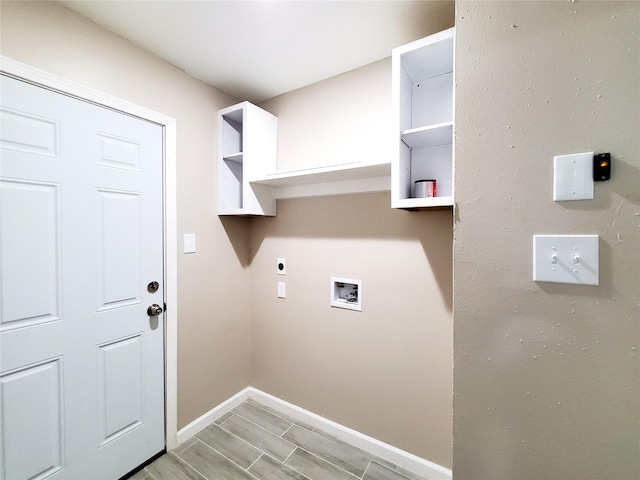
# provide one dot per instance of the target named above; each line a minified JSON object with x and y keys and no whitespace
{"x":213,"y":327}
{"x":546,"y":376}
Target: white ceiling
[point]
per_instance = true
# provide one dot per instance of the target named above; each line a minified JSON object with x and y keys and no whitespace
{"x":254,"y":50}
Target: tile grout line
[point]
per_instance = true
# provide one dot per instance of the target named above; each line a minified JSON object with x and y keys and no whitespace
{"x":186,"y":444}
{"x":327,"y":461}
{"x":260,"y":426}
{"x":365,"y":453}
{"x":278,"y":414}
{"x":289,"y":466}
{"x":294,"y":450}
{"x":191,"y":466}
{"x":220,"y":426}
{"x":337,"y":441}
{"x":293,"y":469}
{"x":339,"y":444}
{"x":221,"y":454}
{"x":365,"y":470}
{"x":286,"y":431}
{"x":262,"y":454}
{"x":397,"y":470}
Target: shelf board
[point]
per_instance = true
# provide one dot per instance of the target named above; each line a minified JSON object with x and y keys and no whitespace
{"x":424,"y":203}
{"x":429,"y":136}
{"x":327,"y":174}
{"x":243,"y":212}
{"x":341,"y":179}
{"x":232,"y":211}
{"x":234,"y":157}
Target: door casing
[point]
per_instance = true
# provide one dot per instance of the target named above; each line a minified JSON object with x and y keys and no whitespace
{"x":39,"y":77}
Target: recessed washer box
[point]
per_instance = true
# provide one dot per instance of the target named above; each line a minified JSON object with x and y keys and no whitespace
{"x":346,"y":293}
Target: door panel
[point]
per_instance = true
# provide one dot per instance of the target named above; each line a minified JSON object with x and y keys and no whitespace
{"x":81,"y":362}
{"x":118,"y":226}
{"x":117,"y":152}
{"x":120,"y":394}
{"x":28,"y":133}
{"x":30,"y":290}
{"x":31,"y":419}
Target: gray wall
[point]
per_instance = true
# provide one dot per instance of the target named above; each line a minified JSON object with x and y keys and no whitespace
{"x":547,"y":376}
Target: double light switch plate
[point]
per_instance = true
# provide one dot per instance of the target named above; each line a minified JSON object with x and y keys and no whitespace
{"x":566,"y":259}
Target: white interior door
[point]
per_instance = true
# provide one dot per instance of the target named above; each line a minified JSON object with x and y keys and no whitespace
{"x":81,"y":361}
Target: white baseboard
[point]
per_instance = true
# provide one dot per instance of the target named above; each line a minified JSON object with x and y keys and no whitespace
{"x":411,"y":462}
{"x":211,"y":416}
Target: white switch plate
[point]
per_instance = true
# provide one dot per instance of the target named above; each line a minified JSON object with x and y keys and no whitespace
{"x":573,"y":177}
{"x":189,"y":243}
{"x":281,"y":290}
{"x":566,"y":259}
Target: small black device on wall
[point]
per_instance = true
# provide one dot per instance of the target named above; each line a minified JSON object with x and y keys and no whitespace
{"x":601,"y":167}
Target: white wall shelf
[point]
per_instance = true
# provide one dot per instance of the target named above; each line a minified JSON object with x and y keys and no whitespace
{"x":346,"y":178}
{"x":423,"y":94}
{"x":437,"y":203}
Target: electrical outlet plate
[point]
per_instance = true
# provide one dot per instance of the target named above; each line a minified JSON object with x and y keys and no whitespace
{"x":281,"y":266}
{"x":566,"y":259}
{"x":346,"y":293}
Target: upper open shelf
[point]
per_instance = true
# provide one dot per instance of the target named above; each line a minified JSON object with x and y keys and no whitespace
{"x":423,"y":82}
{"x":354,"y":177}
{"x":331,"y":173}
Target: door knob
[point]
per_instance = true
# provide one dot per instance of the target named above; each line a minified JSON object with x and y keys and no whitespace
{"x":154,"y":310}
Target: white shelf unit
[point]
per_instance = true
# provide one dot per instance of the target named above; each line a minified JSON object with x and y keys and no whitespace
{"x":247,"y":149}
{"x":423,"y":94}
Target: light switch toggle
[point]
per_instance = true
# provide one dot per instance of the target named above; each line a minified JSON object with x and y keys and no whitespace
{"x":576,"y":259}
{"x":554,"y":259}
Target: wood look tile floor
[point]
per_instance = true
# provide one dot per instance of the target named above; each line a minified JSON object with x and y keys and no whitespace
{"x":255,"y":442}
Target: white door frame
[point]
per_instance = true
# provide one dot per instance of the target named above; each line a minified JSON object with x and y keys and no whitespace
{"x":42,"y":78}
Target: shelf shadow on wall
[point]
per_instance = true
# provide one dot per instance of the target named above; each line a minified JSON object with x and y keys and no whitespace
{"x":237,"y":229}
{"x":366,"y":217}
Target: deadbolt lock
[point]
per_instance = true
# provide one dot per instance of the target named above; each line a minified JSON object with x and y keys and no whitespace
{"x":153,"y":287}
